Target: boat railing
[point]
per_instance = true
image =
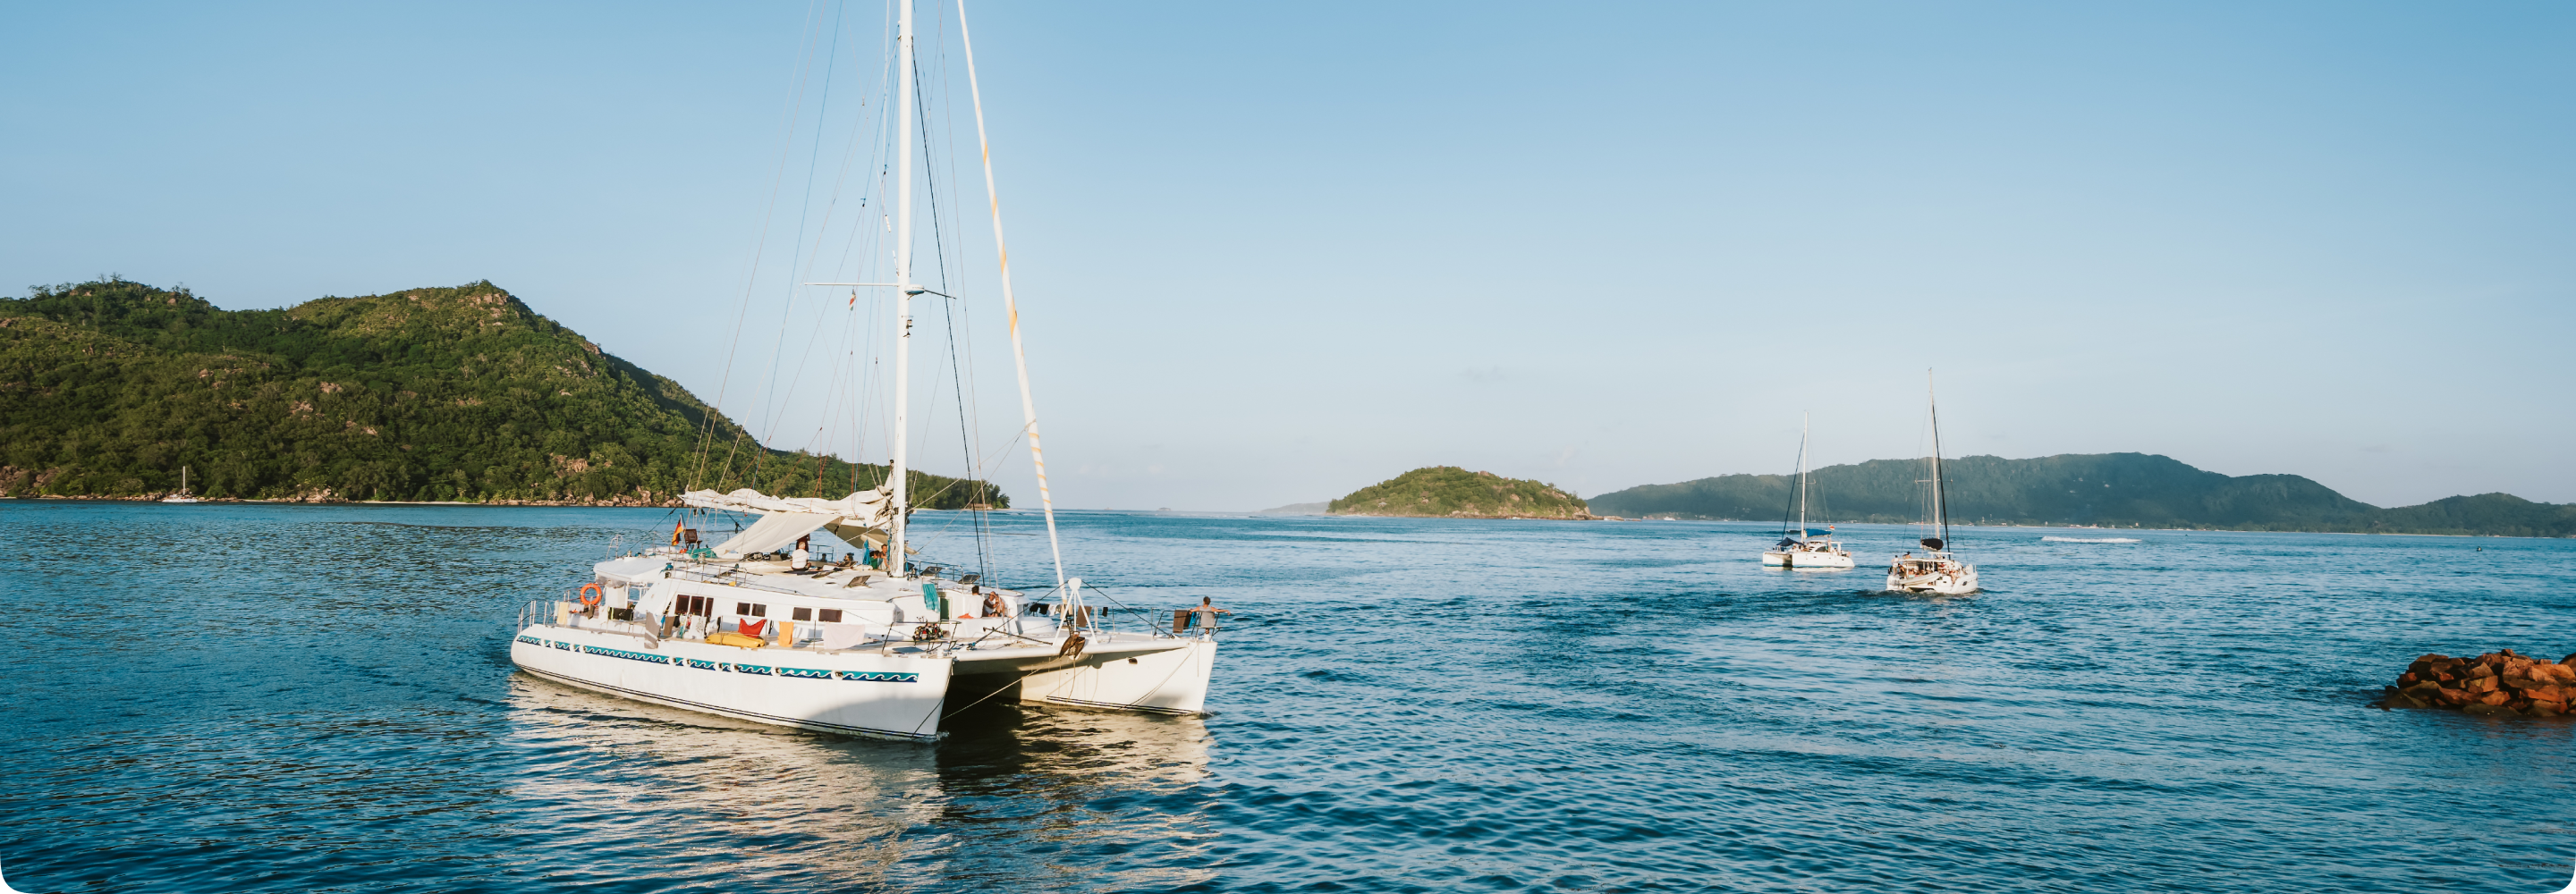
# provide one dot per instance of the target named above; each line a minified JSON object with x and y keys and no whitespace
{"x":570,"y":612}
{"x":1095,"y":621}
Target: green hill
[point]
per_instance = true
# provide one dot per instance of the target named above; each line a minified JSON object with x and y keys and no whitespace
{"x":1453,"y":492}
{"x":107,"y":388}
{"x":2110,"y":489}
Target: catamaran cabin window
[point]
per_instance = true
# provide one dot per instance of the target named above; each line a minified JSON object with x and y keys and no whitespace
{"x":753,"y":609}
{"x":700,"y":606}
{"x":831,"y":616}
{"x":803,"y":614}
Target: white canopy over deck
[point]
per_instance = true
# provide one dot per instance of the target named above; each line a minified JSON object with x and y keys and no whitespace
{"x":858,"y":518}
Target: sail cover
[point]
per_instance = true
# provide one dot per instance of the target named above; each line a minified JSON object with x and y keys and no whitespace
{"x":772,"y":532}
{"x":784,"y":519}
{"x":867,"y":507}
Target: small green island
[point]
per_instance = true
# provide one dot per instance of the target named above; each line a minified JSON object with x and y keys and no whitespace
{"x":1452,"y":492}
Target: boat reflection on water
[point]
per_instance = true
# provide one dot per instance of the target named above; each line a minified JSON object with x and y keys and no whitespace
{"x":1009,"y":796}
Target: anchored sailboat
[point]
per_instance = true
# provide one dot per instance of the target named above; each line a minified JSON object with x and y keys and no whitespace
{"x":1938,"y":570}
{"x":182,"y":496}
{"x":1802,"y":547}
{"x":868,"y":644}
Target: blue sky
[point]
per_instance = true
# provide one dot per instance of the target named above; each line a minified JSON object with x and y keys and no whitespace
{"x":1270,"y":254}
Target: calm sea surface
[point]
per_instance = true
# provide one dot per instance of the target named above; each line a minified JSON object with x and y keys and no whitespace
{"x":221,"y":698}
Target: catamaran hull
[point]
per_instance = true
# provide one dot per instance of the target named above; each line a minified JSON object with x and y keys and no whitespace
{"x":852,"y":693}
{"x":1944,"y":584}
{"x":1805,"y":560}
{"x":1172,"y":681}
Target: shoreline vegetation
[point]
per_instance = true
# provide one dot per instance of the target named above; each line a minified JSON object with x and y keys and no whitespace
{"x":2112,"y":491}
{"x":436,"y":395}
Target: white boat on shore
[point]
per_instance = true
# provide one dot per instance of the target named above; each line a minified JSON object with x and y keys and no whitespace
{"x":1803,"y":547}
{"x":869,"y":644}
{"x":1939,"y":570}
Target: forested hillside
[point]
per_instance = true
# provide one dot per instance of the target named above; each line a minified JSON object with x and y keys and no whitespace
{"x":1457,"y":493}
{"x":2111,"y":489}
{"x":107,"y":388}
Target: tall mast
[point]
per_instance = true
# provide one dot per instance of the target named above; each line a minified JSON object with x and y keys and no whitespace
{"x":1802,"y":476}
{"x":903,"y":299}
{"x":1940,"y":513}
{"x":1010,"y":305}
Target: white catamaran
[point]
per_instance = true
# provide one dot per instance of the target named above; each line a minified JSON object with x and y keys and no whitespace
{"x":1938,"y":570}
{"x":1801,"y":547}
{"x":868,"y":644}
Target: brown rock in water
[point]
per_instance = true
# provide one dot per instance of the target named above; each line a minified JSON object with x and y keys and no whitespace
{"x":2495,"y":682}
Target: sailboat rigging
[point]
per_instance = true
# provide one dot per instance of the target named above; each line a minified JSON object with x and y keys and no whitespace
{"x":1939,"y":570}
{"x":1803,"y":547}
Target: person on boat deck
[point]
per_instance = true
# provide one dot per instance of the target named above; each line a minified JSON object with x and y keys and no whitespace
{"x":796,"y":560}
{"x":1205,"y":615}
{"x":992,"y":602}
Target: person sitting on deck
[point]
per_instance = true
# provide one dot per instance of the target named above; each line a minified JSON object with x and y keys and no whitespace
{"x":992,"y":602}
{"x":796,"y":560}
{"x":1205,"y":615}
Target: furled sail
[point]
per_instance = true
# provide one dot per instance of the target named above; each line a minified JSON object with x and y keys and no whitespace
{"x":862,"y":514}
{"x":868,"y":507}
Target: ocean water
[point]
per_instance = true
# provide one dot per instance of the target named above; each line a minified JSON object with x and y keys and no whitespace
{"x":221,"y":698}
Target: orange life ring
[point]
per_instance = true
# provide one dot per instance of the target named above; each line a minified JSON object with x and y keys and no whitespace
{"x":590,"y":595}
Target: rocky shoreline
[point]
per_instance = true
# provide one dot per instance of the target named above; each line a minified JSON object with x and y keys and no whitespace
{"x":2498,"y":682}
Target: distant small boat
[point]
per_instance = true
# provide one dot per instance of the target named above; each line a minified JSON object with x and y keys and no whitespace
{"x":1800,"y":547}
{"x":182,"y":496}
{"x":1938,"y":570}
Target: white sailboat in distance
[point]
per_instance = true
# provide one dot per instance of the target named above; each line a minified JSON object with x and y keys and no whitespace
{"x":1938,"y":570}
{"x":1802,"y":547}
{"x":182,"y":496}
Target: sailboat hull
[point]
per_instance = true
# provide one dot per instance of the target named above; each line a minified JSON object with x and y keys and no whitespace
{"x":1957,"y":582}
{"x":1802,"y":559}
{"x":1172,"y":681}
{"x":853,"y":693}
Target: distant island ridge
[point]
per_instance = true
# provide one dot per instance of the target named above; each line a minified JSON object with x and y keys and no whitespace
{"x":1453,"y":492}
{"x":1323,"y":508}
{"x":460,"y":394}
{"x":2117,"y":490}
